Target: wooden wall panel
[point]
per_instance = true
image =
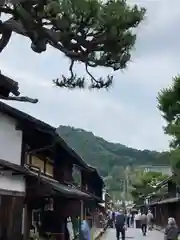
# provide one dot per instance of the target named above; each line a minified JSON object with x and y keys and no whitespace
{"x":49,"y":169}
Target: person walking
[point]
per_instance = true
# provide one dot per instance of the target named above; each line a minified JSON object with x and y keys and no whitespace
{"x":128,"y":219}
{"x":111,"y":218}
{"x":137,"y":219}
{"x":132,"y":219}
{"x":143,"y":220}
{"x":171,"y":230}
{"x":120,"y":224}
{"x":66,"y":231}
{"x":150,"y":219}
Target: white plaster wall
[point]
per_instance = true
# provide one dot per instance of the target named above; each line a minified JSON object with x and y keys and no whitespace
{"x":163,"y":169}
{"x":10,"y":140}
{"x":12,"y":183}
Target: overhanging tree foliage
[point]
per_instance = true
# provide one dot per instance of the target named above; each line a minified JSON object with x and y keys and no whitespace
{"x":93,"y":32}
{"x":169,"y":105}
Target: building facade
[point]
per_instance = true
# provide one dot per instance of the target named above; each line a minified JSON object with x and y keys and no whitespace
{"x":163,"y":169}
{"x":37,"y":191}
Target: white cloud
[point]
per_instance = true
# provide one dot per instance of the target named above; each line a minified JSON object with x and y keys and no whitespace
{"x":127,"y":113}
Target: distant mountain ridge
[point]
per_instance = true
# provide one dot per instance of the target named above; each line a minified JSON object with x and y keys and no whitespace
{"x":110,"y":159}
{"x":104,"y":155}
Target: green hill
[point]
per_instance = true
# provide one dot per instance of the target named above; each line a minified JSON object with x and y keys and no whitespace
{"x":110,"y":159}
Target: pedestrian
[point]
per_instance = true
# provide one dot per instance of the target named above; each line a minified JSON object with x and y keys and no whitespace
{"x":111,"y":218}
{"x":75,"y":225}
{"x":137,"y":219}
{"x":128,"y":219}
{"x":66,"y":231}
{"x":85,"y":231}
{"x":132,"y":219}
{"x":171,"y":230}
{"x":150,"y":219}
{"x":120,"y":224}
{"x":143,"y":220}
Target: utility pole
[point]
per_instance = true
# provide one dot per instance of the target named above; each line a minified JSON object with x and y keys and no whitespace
{"x":125,"y":183}
{"x":122,"y":184}
{"x":124,"y":189}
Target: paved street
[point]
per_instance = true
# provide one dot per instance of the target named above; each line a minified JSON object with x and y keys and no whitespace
{"x":134,"y":234}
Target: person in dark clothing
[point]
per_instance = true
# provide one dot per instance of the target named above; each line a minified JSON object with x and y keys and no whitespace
{"x":113,"y":218}
{"x":120,"y":224}
{"x":132,"y":219}
{"x":144,"y":229}
{"x":128,"y":219}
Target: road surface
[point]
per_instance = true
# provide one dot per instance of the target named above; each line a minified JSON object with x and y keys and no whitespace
{"x":134,"y":234}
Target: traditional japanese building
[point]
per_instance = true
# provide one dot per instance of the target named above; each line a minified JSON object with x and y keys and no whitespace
{"x":9,"y":90}
{"x":165,"y":202}
{"x":8,"y":86}
{"x":36,"y":171}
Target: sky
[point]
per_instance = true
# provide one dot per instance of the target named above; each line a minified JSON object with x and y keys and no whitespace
{"x":125,"y":114}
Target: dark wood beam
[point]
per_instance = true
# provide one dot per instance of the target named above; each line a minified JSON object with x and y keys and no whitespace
{"x":12,"y":193}
{"x":16,"y":174}
{"x":38,"y":150}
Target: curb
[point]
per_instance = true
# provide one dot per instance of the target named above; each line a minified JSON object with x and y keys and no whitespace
{"x":101,"y":233}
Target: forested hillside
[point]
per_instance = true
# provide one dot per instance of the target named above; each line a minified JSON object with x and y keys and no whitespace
{"x":109,"y":158}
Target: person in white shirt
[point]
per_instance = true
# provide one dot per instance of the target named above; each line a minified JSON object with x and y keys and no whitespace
{"x":150,"y":218}
{"x":137,"y":217}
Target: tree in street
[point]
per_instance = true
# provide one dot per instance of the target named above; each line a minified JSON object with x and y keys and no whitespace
{"x":93,"y":32}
